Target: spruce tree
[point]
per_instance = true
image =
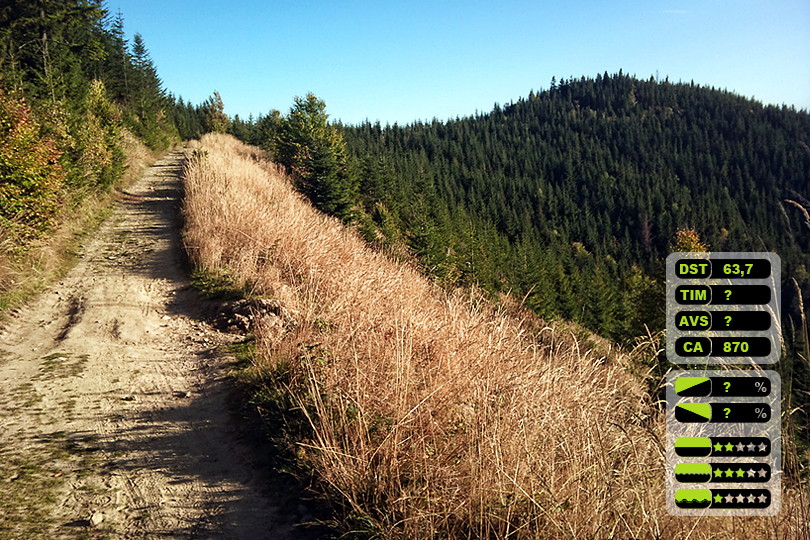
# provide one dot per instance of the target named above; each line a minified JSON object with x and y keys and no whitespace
{"x":314,"y":152}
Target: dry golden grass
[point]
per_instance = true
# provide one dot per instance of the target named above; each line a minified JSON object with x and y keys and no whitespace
{"x":434,"y":414}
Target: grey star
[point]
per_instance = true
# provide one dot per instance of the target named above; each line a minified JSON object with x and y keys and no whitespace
{"x":751,"y":473}
{"x":750,"y":447}
{"x":762,"y":447}
{"x":751,"y":499}
{"x":740,"y":499}
{"x":729,"y":499}
{"x":740,"y":447}
{"x":762,"y":499}
{"x":762,"y":473}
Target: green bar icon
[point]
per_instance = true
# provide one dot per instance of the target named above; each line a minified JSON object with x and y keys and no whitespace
{"x":693,"y":446}
{"x":693,"y":498}
{"x":693,"y":472}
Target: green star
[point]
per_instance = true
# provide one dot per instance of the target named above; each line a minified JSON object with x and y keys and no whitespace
{"x":718,"y":499}
{"x":729,"y":447}
{"x":718,"y":447}
{"x":740,"y":472}
{"x":718,"y":472}
{"x":729,"y":473}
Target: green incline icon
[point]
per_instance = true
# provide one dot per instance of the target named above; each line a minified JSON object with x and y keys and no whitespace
{"x":693,"y":412}
{"x":693,"y":446}
{"x":693,"y":386}
{"x":693,"y":472}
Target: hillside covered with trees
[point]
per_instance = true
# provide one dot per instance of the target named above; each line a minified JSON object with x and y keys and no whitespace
{"x":572,"y":196}
{"x":570,"y":199}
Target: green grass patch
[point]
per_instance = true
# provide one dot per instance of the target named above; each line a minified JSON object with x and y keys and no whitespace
{"x":216,"y":284}
{"x":242,"y":352}
{"x":31,"y":480}
{"x":61,"y":365}
{"x":30,"y":271}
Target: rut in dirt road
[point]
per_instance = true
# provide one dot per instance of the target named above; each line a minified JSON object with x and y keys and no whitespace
{"x":112,"y":401}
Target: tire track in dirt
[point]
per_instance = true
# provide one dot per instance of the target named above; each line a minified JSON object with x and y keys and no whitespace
{"x":112,"y":397}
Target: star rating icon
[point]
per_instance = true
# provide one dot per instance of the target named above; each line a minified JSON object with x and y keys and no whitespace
{"x":740,"y":498}
{"x":743,"y":472}
{"x":739,"y":447}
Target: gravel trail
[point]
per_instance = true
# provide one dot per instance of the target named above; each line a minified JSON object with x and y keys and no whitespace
{"x":113,"y":403}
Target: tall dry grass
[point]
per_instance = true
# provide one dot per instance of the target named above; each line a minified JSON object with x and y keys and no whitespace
{"x":434,"y":414}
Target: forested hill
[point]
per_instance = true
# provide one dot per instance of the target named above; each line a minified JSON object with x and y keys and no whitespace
{"x":571,"y":197}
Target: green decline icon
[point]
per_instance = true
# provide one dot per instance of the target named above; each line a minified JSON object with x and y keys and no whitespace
{"x":693,"y":386}
{"x":693,"y":412}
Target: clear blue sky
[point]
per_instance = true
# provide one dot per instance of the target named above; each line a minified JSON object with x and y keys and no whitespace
{"x":407,"y":60}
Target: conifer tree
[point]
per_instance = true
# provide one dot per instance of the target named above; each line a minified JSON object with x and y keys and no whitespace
{"x":118,"y":62}
{"x":267,"y":130}
{"x":213,"y":115}
{"x":315,"y":153}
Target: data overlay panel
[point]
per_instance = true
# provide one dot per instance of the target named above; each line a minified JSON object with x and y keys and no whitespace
{"x":724,"y":441}
{"x":723,"y":308}
{"x":724,"y":445}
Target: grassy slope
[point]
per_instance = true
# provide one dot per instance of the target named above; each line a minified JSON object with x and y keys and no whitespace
{"x":430,"y":414}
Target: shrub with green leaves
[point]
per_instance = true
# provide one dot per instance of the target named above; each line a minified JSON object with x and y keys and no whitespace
{"x":98,"y":151}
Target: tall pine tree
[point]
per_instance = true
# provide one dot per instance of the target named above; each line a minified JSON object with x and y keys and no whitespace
{"x":315,"y":153}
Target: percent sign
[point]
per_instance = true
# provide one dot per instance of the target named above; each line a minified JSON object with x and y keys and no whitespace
{"x":737,"y":386}
{"x":761,"y":413}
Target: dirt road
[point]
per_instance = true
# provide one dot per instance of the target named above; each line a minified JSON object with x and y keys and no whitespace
{"x":113,"y":414}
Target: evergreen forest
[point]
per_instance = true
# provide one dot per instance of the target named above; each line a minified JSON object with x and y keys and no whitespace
{"x":571,"y":198}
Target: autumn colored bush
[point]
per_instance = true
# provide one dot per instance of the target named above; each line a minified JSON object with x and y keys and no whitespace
{"x":30,"y":173}
{"x":688,"y":240}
